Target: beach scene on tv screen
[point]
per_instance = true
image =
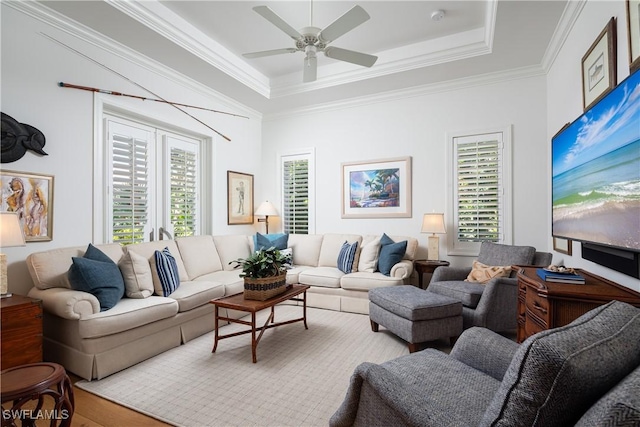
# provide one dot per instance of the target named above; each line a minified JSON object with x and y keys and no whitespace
{"x":596,"y":172}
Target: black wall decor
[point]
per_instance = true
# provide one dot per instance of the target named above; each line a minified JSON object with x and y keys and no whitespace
{"x":17,"y":138}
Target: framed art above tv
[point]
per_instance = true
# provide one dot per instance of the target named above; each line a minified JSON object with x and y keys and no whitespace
{"x":596,"y":172}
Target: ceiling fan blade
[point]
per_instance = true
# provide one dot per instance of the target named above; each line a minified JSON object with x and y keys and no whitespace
{"x":269,"y":52}
{"x":271,"y":16}
{"x":347,"y":22}
{"x":351,"y":56}
{"x":310,"y":72}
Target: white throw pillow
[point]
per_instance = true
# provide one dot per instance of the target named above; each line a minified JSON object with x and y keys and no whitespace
{"x":369,"y":253}
{"x":136,"y":272}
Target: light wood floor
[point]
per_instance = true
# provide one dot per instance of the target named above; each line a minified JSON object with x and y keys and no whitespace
{"x":93,"y":411}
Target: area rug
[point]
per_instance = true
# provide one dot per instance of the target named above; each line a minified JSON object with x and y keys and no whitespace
{"x":300,"y":379}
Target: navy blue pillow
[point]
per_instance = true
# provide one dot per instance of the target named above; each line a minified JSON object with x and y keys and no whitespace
{"x":167,"y":269}
{"x":391,"y":253}
{"x":266,"y":241}
{"x":346,"y":256}
{"x":97,"y":274}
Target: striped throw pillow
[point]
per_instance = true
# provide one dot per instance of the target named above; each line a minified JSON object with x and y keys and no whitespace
{"x":346,"y":256}
{"x":167,"y":271}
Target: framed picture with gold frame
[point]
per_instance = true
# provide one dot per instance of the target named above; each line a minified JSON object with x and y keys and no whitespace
{"x":599,"y":66}
{"x":239,"y":198}
{"x":31,"y":196}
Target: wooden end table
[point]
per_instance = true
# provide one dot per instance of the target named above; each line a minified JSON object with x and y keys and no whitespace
{"x":237,"y":302}
{"x":427,"y":266}
{"x":33,"y":382}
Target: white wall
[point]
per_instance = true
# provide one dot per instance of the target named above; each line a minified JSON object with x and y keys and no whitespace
{"x":32,"y":65}
{"x":564,"y":93}
{"x":416,"y":126}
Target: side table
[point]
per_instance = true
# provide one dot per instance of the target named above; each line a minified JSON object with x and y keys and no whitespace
{"x":21,"y":332}
{"x":427,"y":266}
{"x":23,"y":385}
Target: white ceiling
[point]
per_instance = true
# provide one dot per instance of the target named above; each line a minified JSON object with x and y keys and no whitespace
{"x":205,"y":41}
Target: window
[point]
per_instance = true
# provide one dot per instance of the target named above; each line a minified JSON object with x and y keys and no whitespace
{"x":480,"y":190}
{"x":152,"y":180}
{"x":297,"y":193}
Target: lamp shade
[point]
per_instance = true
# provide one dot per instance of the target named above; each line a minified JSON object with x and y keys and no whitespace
{"x":267,"y":209}
{"x":433,"y":223}
{"x":10,"y":230}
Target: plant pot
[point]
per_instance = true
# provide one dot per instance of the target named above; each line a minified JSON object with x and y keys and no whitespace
{"x":264,"y":288}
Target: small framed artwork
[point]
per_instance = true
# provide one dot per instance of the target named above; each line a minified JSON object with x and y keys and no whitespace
{"x":562,"y":245}
{"x":377,"y":189}
{"x":599,"y":66}
{"x":633,"y":33}
{"x":239,"y":198}
{"x":31,"y":196}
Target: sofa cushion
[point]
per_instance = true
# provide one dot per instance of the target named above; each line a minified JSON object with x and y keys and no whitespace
{"x":482,"y":273}
{"x":195,"y":293}
{"x":468,"y":293}
{"x":98,"y":275}
{"x":166,"y":270}
{"x":327,"y":277}
{"x":266,"y":241}
{"x":619,"y":407}
{"x":199,"y":255}
{"x":369,"y":253}
{"x":128,"y":314}
{"x":306,"y":248}
{"x":136,"y":272}
{"x":346,"y":256}
{"x":363,"y":281}
{"x":148,"y":249}
{"x":331,"y":244}
{"x":391,"y":253}
{"x":231,"y":248}
{"x":588,"y":356}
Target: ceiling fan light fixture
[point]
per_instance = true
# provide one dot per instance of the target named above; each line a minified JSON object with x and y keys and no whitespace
{"x":437,"y":15}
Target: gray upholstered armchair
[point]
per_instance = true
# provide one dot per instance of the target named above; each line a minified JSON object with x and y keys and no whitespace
{"x":586,"y":373}
{"x":492,"y":305}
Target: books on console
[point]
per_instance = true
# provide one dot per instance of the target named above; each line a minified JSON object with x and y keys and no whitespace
{"x":552,"y":276}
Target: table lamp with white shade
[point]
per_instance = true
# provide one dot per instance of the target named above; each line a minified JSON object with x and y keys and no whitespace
{"x":266,"y":209}
{"x":433,"y":223}
{"x":10,"y":235}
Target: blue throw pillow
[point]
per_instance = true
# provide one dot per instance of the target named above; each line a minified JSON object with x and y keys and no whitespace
{"x":98,"y":275}
{"x":346,"y":256}
{"x":167,"y":269}
{"x":391,"y":253}
{"x":266,"y":241}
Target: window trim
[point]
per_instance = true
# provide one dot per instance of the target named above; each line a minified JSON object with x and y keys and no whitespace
{"x":455,"y":247}
{"x":310,"y":154}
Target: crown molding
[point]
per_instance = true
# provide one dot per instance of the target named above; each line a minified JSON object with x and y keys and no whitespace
{"x":569,"y":17}
{"x":423,"y":90}
{"x":60,"y":22}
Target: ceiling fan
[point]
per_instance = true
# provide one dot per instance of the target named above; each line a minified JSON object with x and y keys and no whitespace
{"x":311,"y":40}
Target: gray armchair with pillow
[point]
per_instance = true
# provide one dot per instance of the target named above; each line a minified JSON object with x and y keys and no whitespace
{"x":586,"y":373}
{"x":492,"y":304}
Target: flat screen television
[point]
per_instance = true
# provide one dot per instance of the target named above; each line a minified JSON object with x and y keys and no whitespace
{"x":596,"y":172}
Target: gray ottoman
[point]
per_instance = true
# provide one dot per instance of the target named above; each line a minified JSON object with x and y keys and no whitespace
{"x":415,"y":315}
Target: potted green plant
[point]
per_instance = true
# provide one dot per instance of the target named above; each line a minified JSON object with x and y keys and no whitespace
{"x":264,"y":273}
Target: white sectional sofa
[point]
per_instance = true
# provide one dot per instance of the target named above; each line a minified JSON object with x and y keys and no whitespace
{"x":93,"y":344}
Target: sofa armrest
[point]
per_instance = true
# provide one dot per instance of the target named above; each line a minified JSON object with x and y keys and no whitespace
{"x":402,"y":270}
{"x":444,"y":274}
{"x":485,"y":351}
{"x":66,"y":303}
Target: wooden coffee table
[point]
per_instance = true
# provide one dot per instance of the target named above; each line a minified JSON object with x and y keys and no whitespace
{"x":237,"y":302}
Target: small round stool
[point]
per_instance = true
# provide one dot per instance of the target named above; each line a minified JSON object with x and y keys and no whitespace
{"x":22,"y":384}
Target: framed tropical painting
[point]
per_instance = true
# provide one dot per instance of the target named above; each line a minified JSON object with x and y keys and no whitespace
{"x":377,"y":188}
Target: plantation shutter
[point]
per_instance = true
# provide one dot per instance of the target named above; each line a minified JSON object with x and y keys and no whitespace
{"x":129,"y":182}
{"x":183,"y":182}
{"x":479,"y":190}
{"x":295,"y":195}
